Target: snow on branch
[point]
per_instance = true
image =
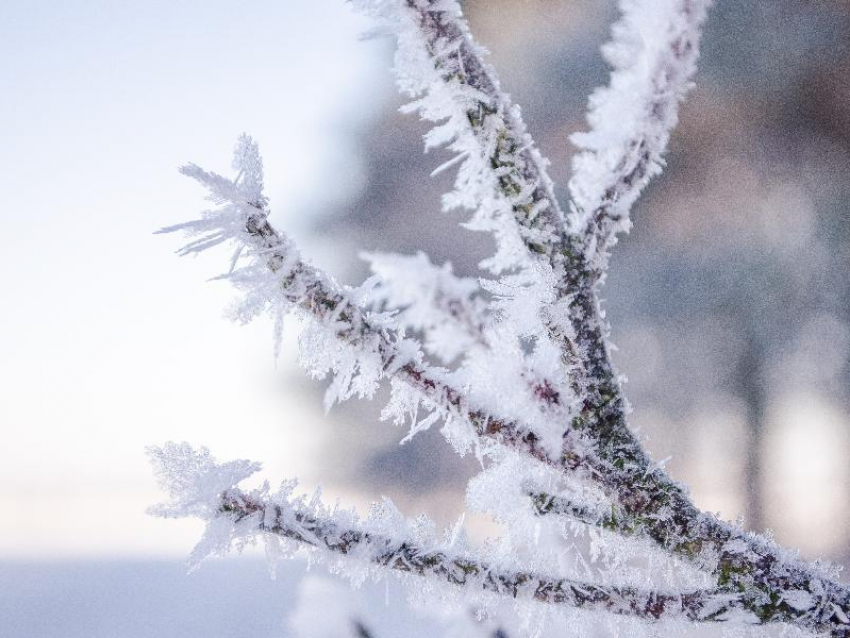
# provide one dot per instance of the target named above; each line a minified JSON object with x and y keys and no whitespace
{"x":199,"y":486}
{"x":503,"y":178}
{"x":385,"y":541}
{"x":449,"y":310}
{"x":501,"y":175}
{"x":778,"y":586}
{"x":438,"y":62}
{"x":653,"y":55}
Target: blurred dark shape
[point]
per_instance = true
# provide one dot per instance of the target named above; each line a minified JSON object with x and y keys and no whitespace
{"x":360,"y":630}
{"x":733,"y":286}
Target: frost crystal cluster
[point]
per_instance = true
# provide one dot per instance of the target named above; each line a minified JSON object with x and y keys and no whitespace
{"x":514,"y":367}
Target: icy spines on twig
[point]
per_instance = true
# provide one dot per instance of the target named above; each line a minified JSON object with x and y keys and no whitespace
{"x":243,"y":194}
{"x":269,"y":270}
{"x":355,"y":372}
{"x":653,"y":54}
{"x":403,"y":408}
{"x":386,"y":542}
{"x":501,"y":176}
{"x":261,"y":260}
{"x":448,"y":310}
{"x":249,"y":167}
{"x":199,"y":486}
{"x":383,"y":543}
{"x":194,"y":480}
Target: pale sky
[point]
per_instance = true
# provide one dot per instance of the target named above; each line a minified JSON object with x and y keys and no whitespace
{"x":108,"y":341}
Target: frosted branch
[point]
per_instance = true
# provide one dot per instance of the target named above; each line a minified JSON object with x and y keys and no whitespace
{"x":502,"y":176}
{"x":653,"y":55}
{"x":278,"y":276}
{"x":778,"y":587}
{"x":647,"y":501}
{"x":237,"y":518}
{"x":449,"y":310}
{"x":200,"y":486}
{"x":466,"y":570}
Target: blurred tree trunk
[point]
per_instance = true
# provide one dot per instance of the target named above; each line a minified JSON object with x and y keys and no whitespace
{"x":750,"y":384}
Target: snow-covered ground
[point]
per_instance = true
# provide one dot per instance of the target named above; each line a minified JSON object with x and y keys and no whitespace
{"x":157,"y":599}
{"x":95,"y":599}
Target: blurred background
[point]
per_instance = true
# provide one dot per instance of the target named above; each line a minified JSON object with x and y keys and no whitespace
{"x":730,"y":300}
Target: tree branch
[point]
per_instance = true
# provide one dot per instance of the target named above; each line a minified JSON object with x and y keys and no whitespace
{"x":650,"y":503}
{"x":775,"y":586}
{"x":466,"y":570}
{"x":653,"y":54}
{"x":475,"y":101}
{"x":502,"y":163}
{"x":200,"y":486}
